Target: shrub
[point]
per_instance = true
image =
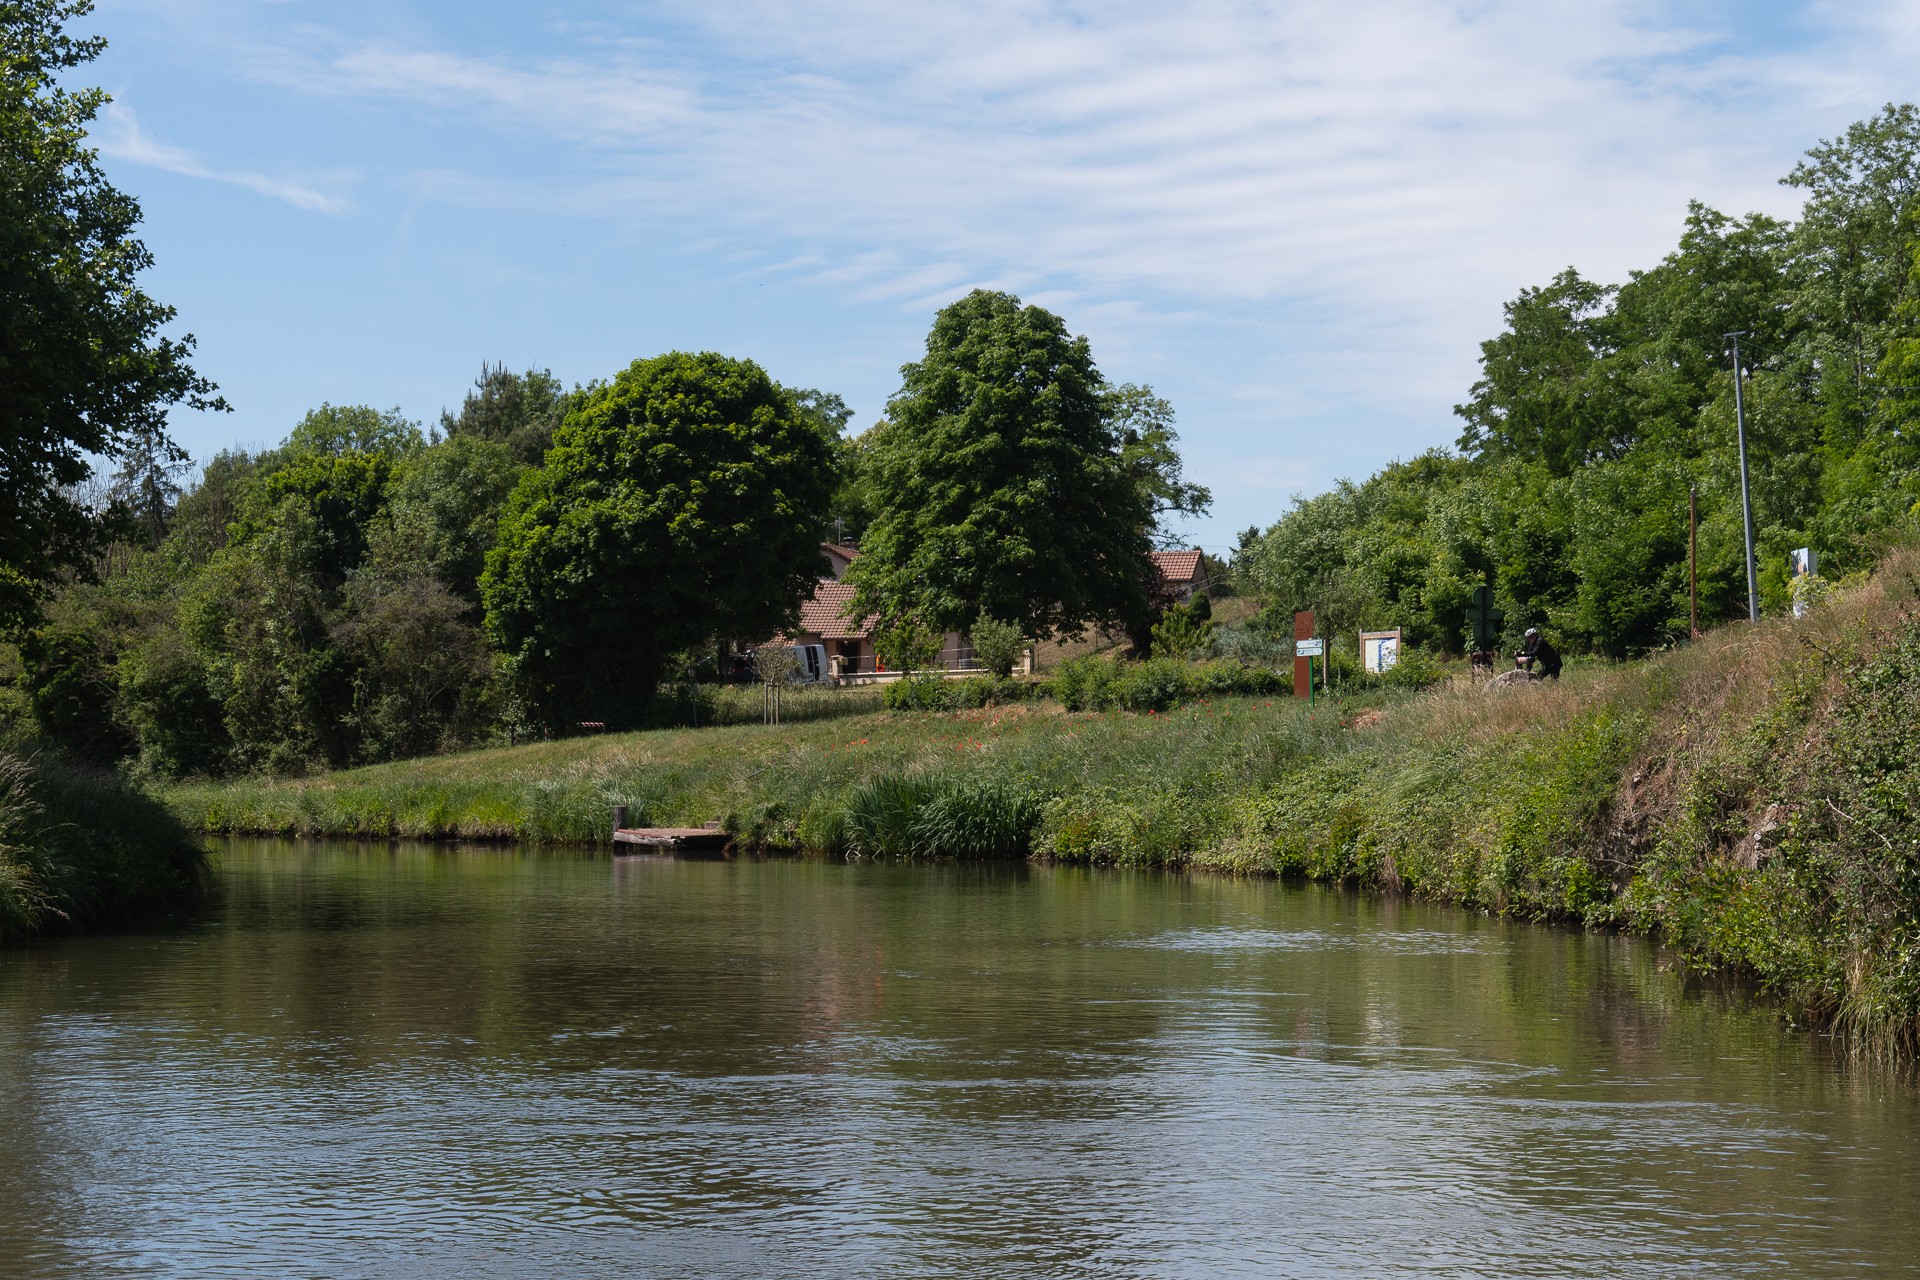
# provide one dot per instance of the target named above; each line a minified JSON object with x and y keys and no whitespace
{"x":1185,"y":631}
{"x":1157,"y":826}
{"x":1224,"y":679}
{"x":1246,"y":643}
{"x":1158,"y":684}
{"x":924,"y":693}
{"x":998,"y":645}
{"x":1084,"y":684}
{"x":1414,"y":671}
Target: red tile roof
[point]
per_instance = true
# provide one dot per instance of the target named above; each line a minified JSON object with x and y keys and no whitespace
{"x":824,"y":614}
{"x":1179,"y":567}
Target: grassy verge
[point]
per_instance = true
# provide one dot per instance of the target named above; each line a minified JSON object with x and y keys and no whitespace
{"x":1753,"y":799}
{"x":83,"y":851}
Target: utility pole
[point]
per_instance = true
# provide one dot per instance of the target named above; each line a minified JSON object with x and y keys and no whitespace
{"x":1693,"y":561}
{"x":1746,"y":493}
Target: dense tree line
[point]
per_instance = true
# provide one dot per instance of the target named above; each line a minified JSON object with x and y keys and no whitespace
{"x":1599,"y":405}
{"x":368,"y":590}
{"x":365,"y":591}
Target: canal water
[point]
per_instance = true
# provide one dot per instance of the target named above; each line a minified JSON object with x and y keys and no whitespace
{"x":379,"y":1062}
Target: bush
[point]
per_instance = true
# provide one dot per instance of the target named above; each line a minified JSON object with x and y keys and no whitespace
{"x":1084,"y":684}
{"x":1158,"y":684}
{"x":1250,"y":645}
{"x":938,"y":693}
{"x":1415,"y":671}
{"x":923,"y":693}
{"x":1157,"y":826}
{"x":998,"y":645}
{"x":1185,"y":631}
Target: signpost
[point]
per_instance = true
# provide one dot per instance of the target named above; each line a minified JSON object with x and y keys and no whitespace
{"x":1308,"y":650}
{"x":1302,"y":664}
{"x":1485,"y":617}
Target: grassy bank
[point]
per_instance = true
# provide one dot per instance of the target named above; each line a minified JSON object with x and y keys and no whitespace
{"x":1753,"y":799}
{"x":83,"y":851}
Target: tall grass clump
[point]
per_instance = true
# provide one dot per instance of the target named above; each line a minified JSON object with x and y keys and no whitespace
{"x":926,"y":816}
{"x":976,"y":818}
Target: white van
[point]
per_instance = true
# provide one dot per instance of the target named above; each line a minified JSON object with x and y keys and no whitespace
{"x":810,"y":664}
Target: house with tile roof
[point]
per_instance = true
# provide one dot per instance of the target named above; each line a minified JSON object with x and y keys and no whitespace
{"x":825,"y":620}
{"x":1183,"y":574}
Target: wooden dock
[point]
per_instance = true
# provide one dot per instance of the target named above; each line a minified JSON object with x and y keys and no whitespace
{"x":669,"y":839}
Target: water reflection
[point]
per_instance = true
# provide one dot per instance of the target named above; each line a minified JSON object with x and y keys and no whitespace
{"x":379,"y":1062}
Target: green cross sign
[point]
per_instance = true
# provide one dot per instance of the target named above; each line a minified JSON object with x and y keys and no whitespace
{"x":1485,"y":617}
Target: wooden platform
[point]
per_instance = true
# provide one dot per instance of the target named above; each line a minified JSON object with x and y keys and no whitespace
{"x":671,"y":839}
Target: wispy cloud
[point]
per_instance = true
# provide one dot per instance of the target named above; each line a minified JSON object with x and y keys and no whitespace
{"x":1398,"y":156}
{"x":125,"y":140}
{"x":1308,"y":212}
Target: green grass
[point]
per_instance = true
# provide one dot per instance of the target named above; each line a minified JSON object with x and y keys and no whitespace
{"x":1752,"y":799}
{"x":775,"y":784}
{"x":83,"y":851}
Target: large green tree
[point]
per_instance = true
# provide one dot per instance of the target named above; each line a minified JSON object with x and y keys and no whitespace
{"x":518,"y":410}
{"x":1003,"y":485}
{"x":685,"y":500}
{"x":84,"y":370}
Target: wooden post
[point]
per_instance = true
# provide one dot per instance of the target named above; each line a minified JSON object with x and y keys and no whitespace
{"x":1303,"y":667}
{"x":619,"y":817}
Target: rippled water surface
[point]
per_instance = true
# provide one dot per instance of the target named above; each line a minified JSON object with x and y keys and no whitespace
{"x":378,"y":1063}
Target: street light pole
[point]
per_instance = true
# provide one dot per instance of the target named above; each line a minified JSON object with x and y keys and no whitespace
{"x":1746,"y":493}
{"x":1693,"y":562}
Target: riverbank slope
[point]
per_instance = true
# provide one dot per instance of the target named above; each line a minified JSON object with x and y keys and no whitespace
{"x":1752,"y":799}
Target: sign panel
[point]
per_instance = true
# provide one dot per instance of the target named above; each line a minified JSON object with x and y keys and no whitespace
{"x":1379,"y":650}
{"x":1309,"y":648}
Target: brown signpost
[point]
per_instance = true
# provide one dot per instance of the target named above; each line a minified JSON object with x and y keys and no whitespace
{"x":1302,"y":667}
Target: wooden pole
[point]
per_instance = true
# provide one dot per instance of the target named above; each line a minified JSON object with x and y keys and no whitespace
{"x":1303,"y":667}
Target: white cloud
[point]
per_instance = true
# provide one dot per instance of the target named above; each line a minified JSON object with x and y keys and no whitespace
{"x":1404,"y":157}
{"x":124,"y":140}
{"x":1342,"y":194}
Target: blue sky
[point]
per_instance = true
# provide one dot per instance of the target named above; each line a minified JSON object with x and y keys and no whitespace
{"x":1296,"y":221}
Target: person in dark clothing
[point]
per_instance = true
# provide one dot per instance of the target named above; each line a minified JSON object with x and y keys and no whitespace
{"x":1539,"y":657}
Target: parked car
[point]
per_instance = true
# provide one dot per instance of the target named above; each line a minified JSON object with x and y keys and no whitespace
{"x":810,"y":664}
